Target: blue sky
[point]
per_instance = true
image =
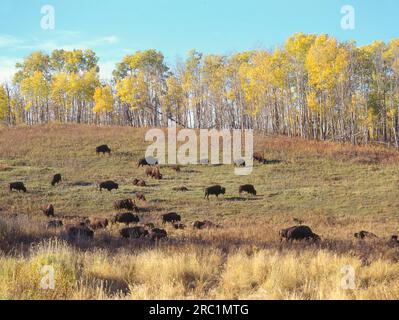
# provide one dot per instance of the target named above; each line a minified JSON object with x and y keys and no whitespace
{"x":115,"y":28}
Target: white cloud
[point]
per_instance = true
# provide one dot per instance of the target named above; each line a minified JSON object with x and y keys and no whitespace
{"x":67,"y":40}
{"x":7,"y":41}
{"x":7,"y":69}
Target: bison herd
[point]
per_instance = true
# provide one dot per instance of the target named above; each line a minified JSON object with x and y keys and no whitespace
{"x":128,"y":211}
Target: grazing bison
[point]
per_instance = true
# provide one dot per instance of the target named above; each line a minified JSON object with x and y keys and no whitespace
{"x":214,"y":190}
{"x":127,"y":204}
{"x":298,"y":233}
{"x":134,"y":233}
{"x":79,"y":231}
{"x":103,"y":149}
{"x":179,"y":226}
{"x":239,"y":163}
{"x":140,"y":196}
{"x":248,"y":188}
{"x":139,"y":183}
{"x":56,"y":179}
{"x":18,"y":186}
{"x":153,"y":173}
{"x":126,"y":218}
{"x":54,"y":224}
{"x":365,"y":235}
{"x":259,"y":157}
{"x":171,"y":217}
{"x":96,"y":223}
{"x":108,"y":185}
{"x":148,"y":161}
{"x":204,"y":225}
{"x":49,"y":211}
{"x":158,"y":234}
{"x":181,"y":189}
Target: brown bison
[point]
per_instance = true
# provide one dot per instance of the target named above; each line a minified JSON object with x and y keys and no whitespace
{"x":125,"y":218}
{"x":18,"y":186}
{"x":298,"y":233}
{"x":140,"y":196}
{"x":49,"y":211}
{"x":204,"y":225}
{"x":158,"y":234}
{"x":365,"y":235}
{"x":96,"y":223}
{"x":181,"y":189}
{"x":214,"y":190}
{"x":103,"y":149}
{"x":148,"y":161}
{"x":154,"y":173}
{"x":54,"y":224}
{"x":171,"y":217}
{"x":179,"y":226}
{"x":259,"y":157}
{"x":139,"y":183}
{"x":56,"y":179}
{"x":134,"y":233}
{"x":248,"y":188}
{"x":108,"y":185}
{"x":75,"y":232}
{"x":127,"y":204}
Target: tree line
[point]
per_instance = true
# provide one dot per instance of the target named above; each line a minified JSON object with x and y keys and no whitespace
{"x":313,"y":87}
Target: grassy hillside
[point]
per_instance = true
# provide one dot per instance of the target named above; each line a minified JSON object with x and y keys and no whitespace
{"x":336,"y":189}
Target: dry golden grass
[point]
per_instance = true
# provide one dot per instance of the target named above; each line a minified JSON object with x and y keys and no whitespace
{"x":336,"y":189}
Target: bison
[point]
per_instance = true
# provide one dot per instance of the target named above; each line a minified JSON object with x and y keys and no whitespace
{"x":49,"y":211}
{"x":134,"y":233}
{"x":181,"y":189}
{"x":96,"y":223}
{"x":171,"y":217}
{"x":18,"y":186}
{"x":54,"y":224}
{"x":158,"y":234}
{"x":108,"y":185}
{"x":214,"y":190}
{"x":259,"y":157}
{"x":139,"y":183}
{"x":204,"y":225}
{"x":127,"y":204}
{"x":103,"y":149}
{"x":126,"y":218}
{"x":365,"y":235}
{"x":179,"y":226}
{"x":78,"y":231}
{"x":56,"y":179}
{"x":148,"y":161}
{"x":248,"y":188}
{"x":298,"y":233}
{"x":154,"y":173}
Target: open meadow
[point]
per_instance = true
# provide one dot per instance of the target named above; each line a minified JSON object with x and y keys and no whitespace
{"x":336,"y":189}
